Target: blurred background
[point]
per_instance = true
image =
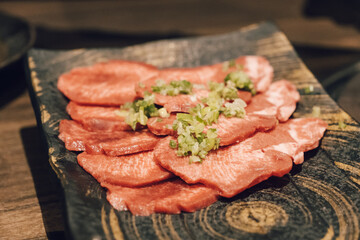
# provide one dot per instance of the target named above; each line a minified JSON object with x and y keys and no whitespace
{"x":325,"y":33}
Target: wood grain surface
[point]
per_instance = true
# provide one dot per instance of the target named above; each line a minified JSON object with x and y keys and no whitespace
{"x":316,"y":200}
{"x":195,"y":17}
{"x":29,"y":202}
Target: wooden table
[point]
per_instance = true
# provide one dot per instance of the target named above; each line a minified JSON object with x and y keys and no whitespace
{"x":30,"y":205}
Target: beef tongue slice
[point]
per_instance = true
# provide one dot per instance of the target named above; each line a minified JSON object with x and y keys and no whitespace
{"x":133,"y":170}
{"x":279,"y":100}
{"x":235,"y":168}
{"x":258,"y":69}
{"x":229,"y":130}
{"x":171,"y":196}
{"x":229,"y":170}
{"x":97,"y":118}
{"x":117,"y":143}
{"x":108,"y":83}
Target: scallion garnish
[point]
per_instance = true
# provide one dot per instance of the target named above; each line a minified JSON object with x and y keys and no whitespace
{"x":241,"y":81}
{"x":173,"y":88}
{"x":140,"y":110}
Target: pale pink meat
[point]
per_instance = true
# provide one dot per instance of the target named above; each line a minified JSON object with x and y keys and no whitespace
{"x":233,"y":130}
{"x":77,"y":138}
{"x":133,"y":170}
{"x":171,"y":196}
{"x":229,"y":130}
{"x":258,"y":69}
{"x":230,"y":170}
{"x":237,"y":167}
{"x":108,"y":83}
{"x":294,"y":137}
{"x":97,"y":118}
{"x":161,"y":126}
{"x":279,"y":100}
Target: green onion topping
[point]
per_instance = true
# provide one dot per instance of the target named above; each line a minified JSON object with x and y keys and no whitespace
{"x":173,"y":88}
{"x":316,"y":111}
{"x":241,"y":81}
{"x":309,"y":89}
{"x":140,"y":110}
{"x":342,"y":125}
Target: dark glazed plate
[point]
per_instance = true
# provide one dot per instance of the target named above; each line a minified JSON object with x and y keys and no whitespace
{"x":16,"y":37}
{"x":319,"y":199}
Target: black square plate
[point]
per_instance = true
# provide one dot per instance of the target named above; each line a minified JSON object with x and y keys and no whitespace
{"x":319,"y":199}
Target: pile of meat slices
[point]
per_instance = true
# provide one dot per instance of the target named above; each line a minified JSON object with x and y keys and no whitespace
{"x":139,"y":169}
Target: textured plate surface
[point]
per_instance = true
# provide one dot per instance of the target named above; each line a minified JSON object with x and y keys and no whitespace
{"x":318,"y":200}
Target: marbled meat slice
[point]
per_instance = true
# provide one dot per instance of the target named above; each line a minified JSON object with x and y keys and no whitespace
{"x":171,"y":196}
{"x":97,"y":118}
{"x":294,"y":137}
{"x":258,"y":69}
{"x":237,"y":167}
{"x":279,"y":100}
{"x":229,"y":130}
{"x":232,"y":130}
{"x":230,"y":170}
{"x":108,"y":83}
{"x":133,"y":170}
{"x":117,"y":143}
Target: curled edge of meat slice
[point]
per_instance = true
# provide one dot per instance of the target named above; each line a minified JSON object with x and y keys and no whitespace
{"x":279,"y":100}
{"x":77,"y":138}
{"x":171,"y":196}
{"x":97,"y":118}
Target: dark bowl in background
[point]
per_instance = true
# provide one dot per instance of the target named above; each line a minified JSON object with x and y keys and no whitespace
{"x":16,"y":37}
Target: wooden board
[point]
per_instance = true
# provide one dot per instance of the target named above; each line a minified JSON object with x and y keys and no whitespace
{"x":318,"y":199}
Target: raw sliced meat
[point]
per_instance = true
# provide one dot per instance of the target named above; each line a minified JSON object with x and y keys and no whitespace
{"x":230,"y":130}
{"x":117,"y":143}
{"x":237,"y":167}
{"x":279,"y":100}
{"x":230,"y":170}
{"x":96,"y":118}
{"x":133,"y":170}
{"x":162,"y":126}
{"x":172,"y":196}
{"x":294,"y":137}
{"x":108,"y":83}
{"x":258,"y":69}
{"x":245,"y":96}
{"x":181,"y":103}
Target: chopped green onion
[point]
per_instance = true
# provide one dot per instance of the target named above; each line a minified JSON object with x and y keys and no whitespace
{"x":173,"y":144}
{"x":194,"y":159}
{"x":235,"y":109}
{"x":142,"y":85}
{"x":342,"y":125}
{"x":232,"y":63}
{"x":316,"y":111}
{"x":159,"y":119}
{"x":241,"y":81}
{"x":228,"y":92}
{"x":229,"y":64}
{"x":163,"y":113}
{"x":309,"y":89}
{"x":140,"y":110}
{"x":121,"y":113}
{"x":173,"y":88}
